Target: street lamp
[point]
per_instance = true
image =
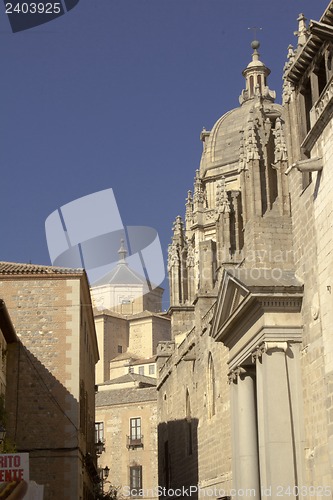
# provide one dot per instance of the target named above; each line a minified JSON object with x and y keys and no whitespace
{"x":99,"y":447}
{"x":104,"y":474}
{"x":2,"y":433}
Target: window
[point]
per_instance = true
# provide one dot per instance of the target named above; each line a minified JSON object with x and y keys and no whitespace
{"x":141,"y":370}
{"x":120,"y":349}
{"x":126,"y":306}
{"x":136,"y":480}
{"x":99,"y":432}
{"x":135,"y":428}
{"x":135,"y":438}
{"x":189,"y":430}
{"x":211,"y":391}
{"x":83,"y":408}
{"x":151,"y":369}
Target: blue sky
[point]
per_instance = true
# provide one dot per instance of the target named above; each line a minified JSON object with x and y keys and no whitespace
{"x":115,"y":94}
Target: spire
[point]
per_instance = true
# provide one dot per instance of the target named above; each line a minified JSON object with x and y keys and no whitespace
{"x":302,"y":33}
{"x":178,"y":232}
{"x":255,"y":75}
{"x":198,"y":195}
{"x":287,"y":85}
{"x":189,"y":211}
{"x":122,"y":252}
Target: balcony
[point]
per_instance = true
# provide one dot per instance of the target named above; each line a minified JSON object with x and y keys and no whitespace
{"x":134,"y":442}
{"x":100,"y":447}
{"x":320,"y":115}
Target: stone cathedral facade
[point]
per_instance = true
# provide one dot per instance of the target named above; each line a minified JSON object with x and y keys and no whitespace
{"x":245,"y":387}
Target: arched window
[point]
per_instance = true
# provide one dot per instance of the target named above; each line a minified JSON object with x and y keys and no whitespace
{"x":259,"y":82}
{"x":211,"y":392}
{"x":251,"y":85}
{"x":189,"y":431}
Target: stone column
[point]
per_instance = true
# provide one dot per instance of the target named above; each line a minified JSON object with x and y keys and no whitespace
{"x":246,"y":462}
{"x":275,"y":420}
{"x":234,"y":427}
{"x":248,"y":441}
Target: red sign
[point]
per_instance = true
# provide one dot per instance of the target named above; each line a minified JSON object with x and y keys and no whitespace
{"x":14,"y":467}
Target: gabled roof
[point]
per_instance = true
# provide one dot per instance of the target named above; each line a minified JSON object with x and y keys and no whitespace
{"x":144,"y":361}
{"x":246,"y":292}
{"x":125,"y":355}
{"x":132,"y":377}
{"x":14,"y":268}
{"x":126,"y":396}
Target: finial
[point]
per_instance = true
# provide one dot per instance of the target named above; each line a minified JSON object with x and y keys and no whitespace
{"x":122,"y":252}
{"x":255,"y":44}
{"x":302,"y":33}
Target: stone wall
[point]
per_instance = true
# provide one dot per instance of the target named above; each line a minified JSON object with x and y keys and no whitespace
{"x":185,"y":397}
{"x":51,"y":370}
{"x":112,"y":331}
{"x":115,"y":408}
{"x":313,"y":245}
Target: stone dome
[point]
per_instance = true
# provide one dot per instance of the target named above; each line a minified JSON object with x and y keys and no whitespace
{"x":222,"y":144}
{"x":221,"y":151}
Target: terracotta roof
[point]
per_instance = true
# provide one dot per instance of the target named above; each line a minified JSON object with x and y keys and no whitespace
{"x":125,"y":396}
{"x":144,"y":361}
{"x":132,"y":377}
{"x":125,"y":355}
{"x":108,"y":312}
{"x":14,"y":268}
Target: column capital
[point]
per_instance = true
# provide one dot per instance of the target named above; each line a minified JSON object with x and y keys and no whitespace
{"x":232,"y":377}
{"x":238,"y":372}
{"x":265,"y":347}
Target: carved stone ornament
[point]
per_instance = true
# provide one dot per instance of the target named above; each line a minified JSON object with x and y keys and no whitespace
{"x":165,"y":349}
{"x":189,"y":210}
{"x":173,"y":256}
{"x":190,"y":255}
{"x":265,"y":347}
{"x":280,"y":150}
{"x":232,"y":377}
{"x":198,"y":196}
{"x":287,"y":87}
{"x":251,"y":140}
{"x":222,"y":201}
{"x":241,"y":163}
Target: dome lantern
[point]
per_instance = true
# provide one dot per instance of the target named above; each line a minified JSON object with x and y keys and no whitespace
{"x":255,"y":75}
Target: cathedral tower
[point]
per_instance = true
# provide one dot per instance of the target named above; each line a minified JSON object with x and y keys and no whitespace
{"x":239,"y":214}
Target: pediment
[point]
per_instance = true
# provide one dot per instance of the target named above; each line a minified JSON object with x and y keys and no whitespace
{"x":231,"y":295}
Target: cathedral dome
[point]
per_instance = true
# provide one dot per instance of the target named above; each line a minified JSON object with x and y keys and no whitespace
{"x":222,"y":145}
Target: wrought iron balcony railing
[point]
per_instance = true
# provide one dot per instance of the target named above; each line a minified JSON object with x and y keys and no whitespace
{"x":134,"y":442}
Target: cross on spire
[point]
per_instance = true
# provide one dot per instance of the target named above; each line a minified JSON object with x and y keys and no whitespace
{"x":255,"y":30}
